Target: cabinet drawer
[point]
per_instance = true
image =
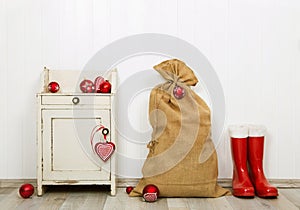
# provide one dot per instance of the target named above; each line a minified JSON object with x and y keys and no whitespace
{"x":75,"y":100}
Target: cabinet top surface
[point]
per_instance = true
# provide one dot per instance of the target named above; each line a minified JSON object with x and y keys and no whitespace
{"x":69,"y":81}
{"x":75,"y":94}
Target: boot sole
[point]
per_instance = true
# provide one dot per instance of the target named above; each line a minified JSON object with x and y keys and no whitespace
{"x":242,"y":193}
{"x":268,"y":195}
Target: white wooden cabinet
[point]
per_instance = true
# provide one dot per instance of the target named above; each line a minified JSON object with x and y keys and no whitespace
{"x":64,"y":125}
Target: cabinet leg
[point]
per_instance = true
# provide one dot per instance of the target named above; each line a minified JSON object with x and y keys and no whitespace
{"x":40,"y":190}
{"x":113,"y":191}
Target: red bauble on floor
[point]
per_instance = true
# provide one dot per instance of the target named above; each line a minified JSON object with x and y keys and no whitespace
{"x":129,"y":189}
{"x":150,"y":193}
{"x":26,"y":190}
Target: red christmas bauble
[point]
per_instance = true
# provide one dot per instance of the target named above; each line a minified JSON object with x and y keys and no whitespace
{"x":105,"y":87}
{"x":98,"y":81}
{"x":26,"y":190}
{"x":150,"y":193}
{"x":178,"y":92}
{"x":53,"y":87}
{"x":129,"y":189}
{"x":87,"y":86}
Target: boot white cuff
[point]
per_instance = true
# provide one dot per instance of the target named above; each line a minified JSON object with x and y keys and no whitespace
{"x":257,"y":130}
{"x":238,"y":131}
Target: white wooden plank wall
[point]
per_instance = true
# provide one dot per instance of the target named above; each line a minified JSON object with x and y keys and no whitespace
{"x":254,"y":46}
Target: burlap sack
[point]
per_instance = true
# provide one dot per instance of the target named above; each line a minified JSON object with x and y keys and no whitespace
{"x":182,"y":161}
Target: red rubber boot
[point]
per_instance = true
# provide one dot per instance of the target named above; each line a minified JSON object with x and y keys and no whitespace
{"x":255,"y":160}
{"x":241,"y":183}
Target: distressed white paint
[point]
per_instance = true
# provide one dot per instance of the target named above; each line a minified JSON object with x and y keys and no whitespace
{"x":253,"y":45}
{"x":64,"y":128}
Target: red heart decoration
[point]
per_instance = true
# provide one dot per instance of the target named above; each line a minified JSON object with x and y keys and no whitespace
{"x":104,"y":150}
{"x":150,"y":197}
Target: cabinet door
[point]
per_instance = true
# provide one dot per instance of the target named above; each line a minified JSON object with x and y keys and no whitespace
{"x":66,"y":145}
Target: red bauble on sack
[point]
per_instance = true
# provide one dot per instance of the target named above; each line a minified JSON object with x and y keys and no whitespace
{"x":178,"y":92}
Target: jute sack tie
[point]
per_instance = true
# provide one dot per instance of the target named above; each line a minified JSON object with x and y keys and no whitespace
{"x":182,"y":161}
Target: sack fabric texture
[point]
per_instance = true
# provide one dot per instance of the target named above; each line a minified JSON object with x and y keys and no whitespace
{"x":182,"y":161}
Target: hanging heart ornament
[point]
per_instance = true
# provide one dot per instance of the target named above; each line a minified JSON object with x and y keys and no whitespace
{"x":104,"y":150}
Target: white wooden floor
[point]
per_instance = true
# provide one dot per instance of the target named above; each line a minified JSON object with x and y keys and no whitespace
{"x":96,"y":198}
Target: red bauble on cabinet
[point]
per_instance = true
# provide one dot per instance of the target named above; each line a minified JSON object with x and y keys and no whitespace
{"x":105,"y":87}
{"x":53,"y":87}
{"x":87,"y":86}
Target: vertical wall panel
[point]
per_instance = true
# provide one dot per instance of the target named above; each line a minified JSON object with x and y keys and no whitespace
{"x":15,"y":92}
{"x":203,"y":27}
{"x":168,"y":17}
{"x":186,"y":20}
{"x":101,"y":24}
{"x":242,"y":57}
{"x":218,"y":59}
{"x":84,"y":32}
{"x":51,"y":40}
{"x":268,"y":84}
{"x":68,"y":42}
{"x":118,"y":19}
{"x":136,"y":19}
{"x":132,"y":17}
{"x":296,"y":87}
{"x":153,"y":13}
{"x":32,"y":70}
{"x":3,"y":81}
{"x":250,"y":65}
{"x":284,"y":90}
